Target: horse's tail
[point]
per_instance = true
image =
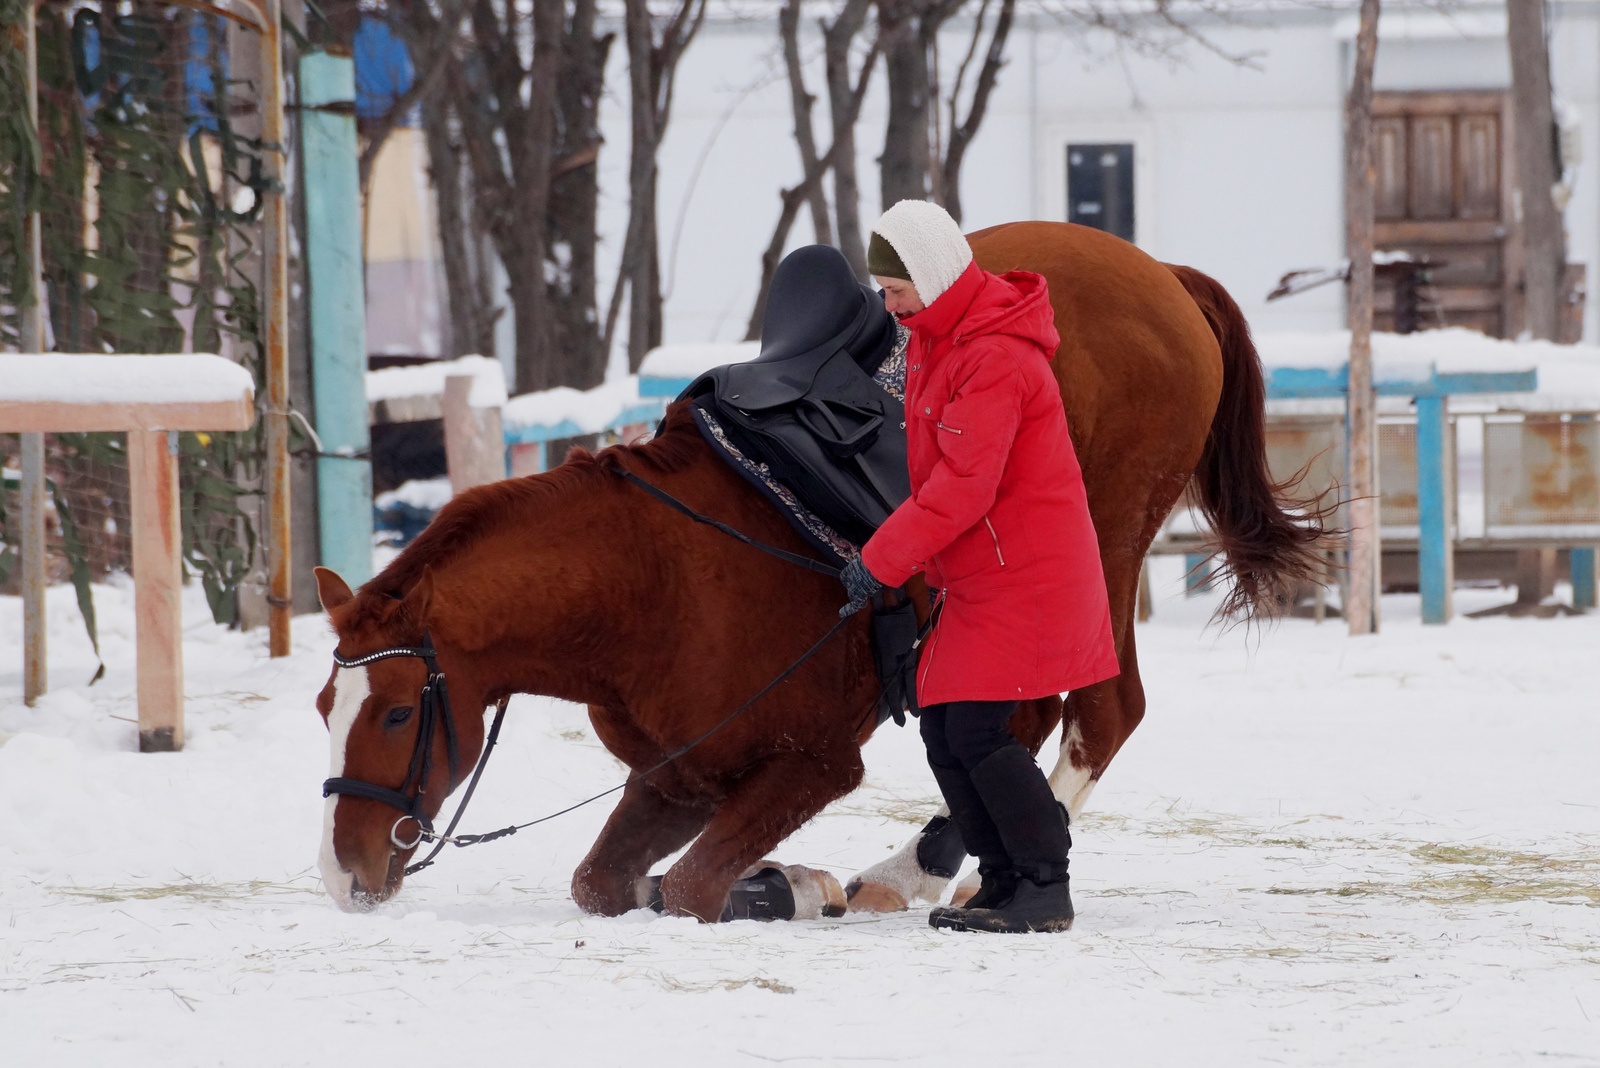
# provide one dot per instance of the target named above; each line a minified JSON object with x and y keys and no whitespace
{"x":1271,"y":540}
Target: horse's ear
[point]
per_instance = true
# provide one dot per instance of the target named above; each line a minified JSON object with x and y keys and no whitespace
{"x":415,"y":605}
{"x":332,"y":590}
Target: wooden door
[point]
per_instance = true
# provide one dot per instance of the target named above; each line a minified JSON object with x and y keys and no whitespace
{"x":1442,"y":160}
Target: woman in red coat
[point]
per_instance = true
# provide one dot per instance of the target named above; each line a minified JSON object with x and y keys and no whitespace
{"x":998,"y":522}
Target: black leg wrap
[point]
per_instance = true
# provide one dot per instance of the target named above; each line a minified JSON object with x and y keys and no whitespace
{"x":940,"y":849}
{"x":766,"y":895}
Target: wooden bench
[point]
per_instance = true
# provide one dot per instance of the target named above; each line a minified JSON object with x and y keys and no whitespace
{"x":151,"y":399}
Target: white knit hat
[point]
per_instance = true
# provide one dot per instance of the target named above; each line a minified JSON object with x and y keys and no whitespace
{"x":930,"y":244}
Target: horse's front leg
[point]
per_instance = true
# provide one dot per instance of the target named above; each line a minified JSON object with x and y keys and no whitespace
{"x":645,"y":827}
{"x":771,"y":802}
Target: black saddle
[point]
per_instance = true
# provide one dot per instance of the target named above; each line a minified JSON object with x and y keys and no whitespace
{"x":808,"y":406}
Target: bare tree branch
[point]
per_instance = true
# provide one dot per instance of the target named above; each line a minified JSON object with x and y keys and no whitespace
{"x":801,"y":102}
{"x":792,"y":199}
{"x":837,"y":42}
{"x":961,"y":134}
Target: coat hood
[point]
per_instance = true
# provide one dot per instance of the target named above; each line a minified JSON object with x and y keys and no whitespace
{"x":1015,"y":304}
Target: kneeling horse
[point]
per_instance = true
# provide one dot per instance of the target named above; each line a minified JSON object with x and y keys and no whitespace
{"x":576,"y":584}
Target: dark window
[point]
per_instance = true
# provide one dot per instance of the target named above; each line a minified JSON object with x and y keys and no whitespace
{"x":1100,"y":187}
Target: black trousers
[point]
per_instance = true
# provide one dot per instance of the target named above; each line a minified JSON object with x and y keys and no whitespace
{"x":962,"y":733}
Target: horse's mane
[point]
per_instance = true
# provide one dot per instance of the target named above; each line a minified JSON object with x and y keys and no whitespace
{"x":471,"y":515}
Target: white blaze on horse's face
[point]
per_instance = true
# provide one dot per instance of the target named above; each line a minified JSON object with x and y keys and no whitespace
{"x":351,"y":688}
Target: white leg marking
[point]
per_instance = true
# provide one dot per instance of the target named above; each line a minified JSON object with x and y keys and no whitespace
{"x":351,"y":688}
{"x":903,"y":874}
{"x":1070,"y":781}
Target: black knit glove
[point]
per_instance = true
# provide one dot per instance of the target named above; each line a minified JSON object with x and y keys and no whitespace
{"x":859,"y":585}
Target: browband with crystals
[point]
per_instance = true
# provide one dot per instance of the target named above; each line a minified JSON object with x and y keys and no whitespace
{"x":422,"y":653}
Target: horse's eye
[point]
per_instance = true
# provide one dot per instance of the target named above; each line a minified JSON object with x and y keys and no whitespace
{"x":399,"y":715}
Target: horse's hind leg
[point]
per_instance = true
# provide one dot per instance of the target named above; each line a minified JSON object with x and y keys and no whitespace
{"x":770,"y":803}
{"x":645,"y":827}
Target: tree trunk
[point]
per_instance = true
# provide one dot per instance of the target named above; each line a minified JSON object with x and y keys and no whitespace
{"x":1361,"y":609}
{"x":444,"y":170}
{"x":837,"y":40}
{"x":574,"y":201}
{"x":903,"y":169}
{"x":642,"y":270}
{"x":1534,"y":134}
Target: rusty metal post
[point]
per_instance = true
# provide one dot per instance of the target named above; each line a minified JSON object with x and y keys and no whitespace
{"x":35,"y":677}
{"x":275,"y":218}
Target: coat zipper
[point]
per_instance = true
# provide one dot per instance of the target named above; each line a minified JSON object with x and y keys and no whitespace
{"x":952,"y":429}
{"x":998,"y":555}
{"x":933,"y":640}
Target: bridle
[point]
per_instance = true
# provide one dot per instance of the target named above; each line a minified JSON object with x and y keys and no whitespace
{"x":433,"y":709}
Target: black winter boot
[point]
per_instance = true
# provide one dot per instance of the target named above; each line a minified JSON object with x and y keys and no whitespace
{"x":979,"y":835}
{"x":1033,"y":827}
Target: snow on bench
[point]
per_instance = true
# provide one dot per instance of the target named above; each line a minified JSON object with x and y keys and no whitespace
{"x":150,"y":398}
{"x":68,"y":392}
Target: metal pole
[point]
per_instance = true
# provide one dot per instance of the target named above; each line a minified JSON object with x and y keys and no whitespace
{"x":275,"y":218}
{"x":1435,"y":491}
{"x":35,"y":679}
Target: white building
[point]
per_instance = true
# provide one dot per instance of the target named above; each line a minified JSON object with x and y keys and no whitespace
{"x":1237,"y":167}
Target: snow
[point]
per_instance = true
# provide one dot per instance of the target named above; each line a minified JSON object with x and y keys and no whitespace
{"x":428,"y":494}
{"x":108,"y":378}
{"x":591,"y":411}
{"x":1316,"y":850}
{"x":427,"y":380}
{"x":692,"y":360}
{"x":1568,"y":371}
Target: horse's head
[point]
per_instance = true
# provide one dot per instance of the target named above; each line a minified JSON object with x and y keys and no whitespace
{"x":394,"y":740}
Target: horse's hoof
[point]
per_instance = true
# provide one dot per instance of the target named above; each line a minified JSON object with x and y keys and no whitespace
{"x":874,"y":897}
{"x":816,"y":893}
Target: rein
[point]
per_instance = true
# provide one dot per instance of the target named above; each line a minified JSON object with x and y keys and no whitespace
{"x":435,"y":708}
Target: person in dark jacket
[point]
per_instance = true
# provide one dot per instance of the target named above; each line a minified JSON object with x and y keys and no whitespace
{"x":998,"y":523}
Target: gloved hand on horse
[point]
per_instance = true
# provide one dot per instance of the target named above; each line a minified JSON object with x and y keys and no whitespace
{"x":858,"y":584}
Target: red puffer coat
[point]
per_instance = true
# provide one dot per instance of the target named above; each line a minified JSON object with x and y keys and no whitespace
{"x":997,"y":517}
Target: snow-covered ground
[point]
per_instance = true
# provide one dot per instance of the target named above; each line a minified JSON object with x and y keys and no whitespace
{"x":1316,"y":850}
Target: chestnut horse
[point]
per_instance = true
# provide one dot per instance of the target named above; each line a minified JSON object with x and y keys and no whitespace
{"x":575,"y":584}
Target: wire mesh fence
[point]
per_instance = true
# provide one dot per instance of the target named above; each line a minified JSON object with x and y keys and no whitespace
{"x":147,"y":172}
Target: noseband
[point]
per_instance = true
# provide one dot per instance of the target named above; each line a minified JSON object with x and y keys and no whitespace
{"x":434,"y":706}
